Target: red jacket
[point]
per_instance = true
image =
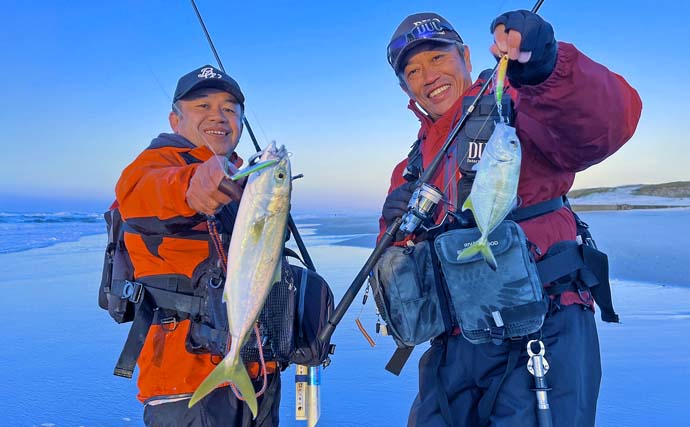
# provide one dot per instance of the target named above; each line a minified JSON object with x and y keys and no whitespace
{"x":579,"y":116}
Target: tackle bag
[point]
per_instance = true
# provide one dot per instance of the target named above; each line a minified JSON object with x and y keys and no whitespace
{"x":276,"y":321}
{"x":405,"y":291}
{"x":314,"y":302}
{"x":116,"y":291}
{"x":492,"y":305}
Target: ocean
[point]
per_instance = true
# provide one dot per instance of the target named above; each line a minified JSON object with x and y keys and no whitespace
{"x":25,"y":231}
{"x":60,"y":348}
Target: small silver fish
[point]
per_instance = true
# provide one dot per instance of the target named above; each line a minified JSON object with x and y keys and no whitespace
{"x":254,"y":265}
{"x":494,"y":190}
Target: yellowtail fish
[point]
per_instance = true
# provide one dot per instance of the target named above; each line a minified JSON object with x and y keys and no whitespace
{"x":500,"y":83}
{"x":254,"y":265}
{"x":494,"y":190}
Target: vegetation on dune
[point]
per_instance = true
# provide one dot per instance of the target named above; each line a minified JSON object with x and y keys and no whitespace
{"x":677,"y":189}
{"x":574,"y":194}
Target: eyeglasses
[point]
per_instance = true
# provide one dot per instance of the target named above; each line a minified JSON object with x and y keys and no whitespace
{"x":429,"y":30}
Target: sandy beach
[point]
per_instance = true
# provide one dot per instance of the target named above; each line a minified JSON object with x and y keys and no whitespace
{"x":61,"y":348}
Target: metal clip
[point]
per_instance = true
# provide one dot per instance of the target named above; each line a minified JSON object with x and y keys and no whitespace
{"x":538,"y":367}
{"x":213,"y":284}
{"x":169,"y":321}
{"x":580,"y":293}
{"x":133,"y":291}
{"x":381,"y":328}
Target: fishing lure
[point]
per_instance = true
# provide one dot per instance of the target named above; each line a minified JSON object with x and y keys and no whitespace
{"x":499,"y":82}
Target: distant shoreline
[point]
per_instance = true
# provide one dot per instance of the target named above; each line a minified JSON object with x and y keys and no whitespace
{"x":620,"y":207}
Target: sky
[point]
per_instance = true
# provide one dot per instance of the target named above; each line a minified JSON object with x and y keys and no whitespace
{"x":88,"y":84}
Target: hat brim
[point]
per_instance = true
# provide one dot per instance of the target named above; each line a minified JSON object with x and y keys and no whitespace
{"x":403,"y":53}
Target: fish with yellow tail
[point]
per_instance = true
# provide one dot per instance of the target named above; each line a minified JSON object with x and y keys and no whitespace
{"x":254,"y":265}
{"x":494,"y":190}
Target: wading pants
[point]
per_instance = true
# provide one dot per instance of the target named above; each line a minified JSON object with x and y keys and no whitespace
{"x":454,"y":374}
{"x":219,"y":408}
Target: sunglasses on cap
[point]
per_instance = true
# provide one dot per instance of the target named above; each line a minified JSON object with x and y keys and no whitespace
{"x":432,"y":30}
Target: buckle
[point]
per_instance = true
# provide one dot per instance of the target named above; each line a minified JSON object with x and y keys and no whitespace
{"x":133,"y":291}
{"x":167,"y":322}
{"x":497,"y":335}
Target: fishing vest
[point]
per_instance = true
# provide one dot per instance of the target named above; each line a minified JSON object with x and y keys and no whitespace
{"x":293,"y":315}
{"x":468,"y":144}
{"x":167,"y":299}
{"x":424,"y":290}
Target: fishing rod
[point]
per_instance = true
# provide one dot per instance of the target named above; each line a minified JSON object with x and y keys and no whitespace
{"x":291,"y":223}
{"x":411,"y":217}
{"x":312,"y":400}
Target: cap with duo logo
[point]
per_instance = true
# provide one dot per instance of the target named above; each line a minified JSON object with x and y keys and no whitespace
{"x":207,"y":77}
{"x":416,"y":29}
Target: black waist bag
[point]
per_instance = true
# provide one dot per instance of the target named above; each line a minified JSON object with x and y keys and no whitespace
{"x":404,"y":288}
{"x":492,"y":305}
{"x":314,"y":301}
{"x":209,"y":331}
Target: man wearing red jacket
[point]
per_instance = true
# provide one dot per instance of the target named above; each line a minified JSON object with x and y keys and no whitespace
{"x":165,"y":197}
{"x":571,"y":113}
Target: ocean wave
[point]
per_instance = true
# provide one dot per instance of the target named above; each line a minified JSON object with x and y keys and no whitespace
{"x":50,"y":217}
{"x":25,"y":231}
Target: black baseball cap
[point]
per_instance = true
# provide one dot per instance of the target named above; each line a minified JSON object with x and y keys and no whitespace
{"x":417,"y":29}
{"x":207,"y":77}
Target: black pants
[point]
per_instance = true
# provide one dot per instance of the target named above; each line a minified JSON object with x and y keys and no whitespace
{"x":219,"y":408}
{"x":461,"y":372}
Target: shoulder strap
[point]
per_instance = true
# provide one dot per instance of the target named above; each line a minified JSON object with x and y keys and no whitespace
{"x":302,"y":293}
{"x":538,"y":209}
{"x":398,"y":360}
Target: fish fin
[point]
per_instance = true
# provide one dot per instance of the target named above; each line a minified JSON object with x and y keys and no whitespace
{"x":468,"y":204}
{"x":233,"y":370}
{"x":257,"y":228}
{"x":481,"y":246}
{"x":277,"y":275}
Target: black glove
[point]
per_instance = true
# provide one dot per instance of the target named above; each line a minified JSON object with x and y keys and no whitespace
{"x":537,"y":37}
{"x":396,"y":203}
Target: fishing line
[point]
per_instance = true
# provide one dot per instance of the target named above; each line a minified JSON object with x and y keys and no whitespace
{"x":290,"y":222}
{"x":258,"y":123}
{"x":158,"y":82}
{"x":220,"y":65}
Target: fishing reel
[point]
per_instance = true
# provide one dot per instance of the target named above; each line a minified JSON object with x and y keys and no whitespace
{"x":421,"y":207}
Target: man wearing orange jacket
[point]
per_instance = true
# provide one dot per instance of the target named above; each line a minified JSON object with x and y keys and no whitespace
{"x":165,"y":197}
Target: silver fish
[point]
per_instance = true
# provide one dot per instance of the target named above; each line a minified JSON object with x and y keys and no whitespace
{"x":254,"y":265}
{"x":494,"y":190}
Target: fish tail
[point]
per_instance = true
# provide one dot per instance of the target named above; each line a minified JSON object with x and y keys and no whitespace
{"x":489,"y":257}
{"x":229,"y":369}
{"x":480,"y":246}
{"x":468,"y":204}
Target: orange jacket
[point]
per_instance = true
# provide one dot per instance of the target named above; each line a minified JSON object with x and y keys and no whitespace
{"x":151,"y":194}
